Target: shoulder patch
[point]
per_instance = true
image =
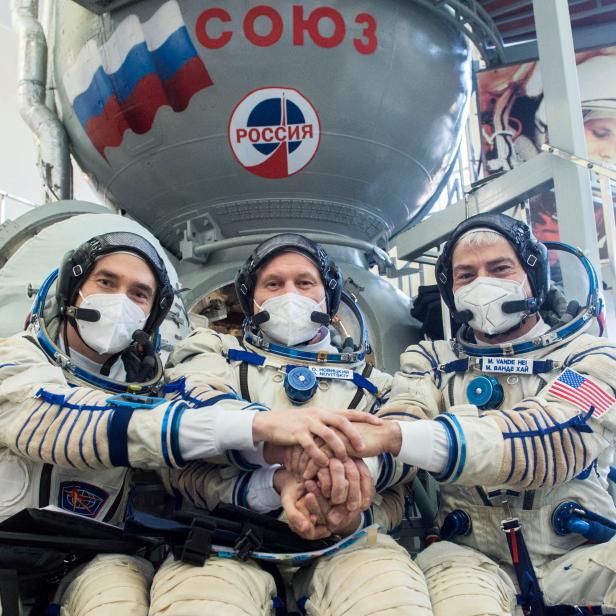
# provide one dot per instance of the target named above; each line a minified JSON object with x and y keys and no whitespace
{"x":82,"y":498}
{"x":581,"y":391}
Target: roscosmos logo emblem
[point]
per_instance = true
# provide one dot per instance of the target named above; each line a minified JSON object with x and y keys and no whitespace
{"x":274,"y":132}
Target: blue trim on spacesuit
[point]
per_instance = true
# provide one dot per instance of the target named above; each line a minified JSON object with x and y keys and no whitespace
{"x":198,"y":404}
{"x":174,"y":437}
{"x":246,"y":356}
{"x":585,"y":474}
{"x":452,"y":452}
{"x":117,"y":435}
{"x":237,"y":459}
{"x":457,"y":448}
{"x":94,"y":445}
{"x":388,"y":469}
{"x":240,"y":490}
{"x":399,"y":414}
{"x":61,"y":401}
{"x":432,"y":361}
{"x":579,"y":423}
{"x":283,"y":351}
{"x":254,"y":406}
{"x":163,"y":435}
{"x":23,"y":427}
{"x":406,"y":469}
{"x":83,"y":433}
{"x":546,"y":432}
{"x":574,"y":359}
{"x":179,"y":386}
{"x":175,"y":386}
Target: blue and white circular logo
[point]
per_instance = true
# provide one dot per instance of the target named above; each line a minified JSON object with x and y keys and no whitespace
{"x":274,"y":132}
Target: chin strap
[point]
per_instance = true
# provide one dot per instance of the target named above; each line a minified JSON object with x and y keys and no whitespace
{"x":73,"y":323}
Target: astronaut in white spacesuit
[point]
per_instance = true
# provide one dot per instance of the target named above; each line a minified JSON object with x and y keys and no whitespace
{"x":517,"y":420}
{"x":71,"y":426}
{"x":290,"y":291}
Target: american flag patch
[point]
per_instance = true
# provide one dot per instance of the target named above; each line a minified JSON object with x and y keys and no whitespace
{"x":576,"y":388}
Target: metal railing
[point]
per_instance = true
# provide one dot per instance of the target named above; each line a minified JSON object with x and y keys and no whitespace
{"x":4,"y":195}
{"x":474,"y":22}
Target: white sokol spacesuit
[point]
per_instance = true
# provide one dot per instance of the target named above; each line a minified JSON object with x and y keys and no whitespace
{"x":519,"y":428}
{"x":286,"y":358}
{"x":71,"y":428}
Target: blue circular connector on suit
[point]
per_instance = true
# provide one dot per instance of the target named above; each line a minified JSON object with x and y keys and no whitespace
{"x":561,"y":516}
{"x":485,"y":392}
{"x":456,"y":523}
{"x":300,"y":384}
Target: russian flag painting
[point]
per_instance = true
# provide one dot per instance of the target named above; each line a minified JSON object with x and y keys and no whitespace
{"x":122,"y":83}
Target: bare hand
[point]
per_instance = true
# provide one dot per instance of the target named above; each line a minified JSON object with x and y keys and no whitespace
{"x":347,"y":483}
{"x":385,"y":438}
{"x":337,"y":429}
{"x":337,"y":480}
{"x":298,"y":515}
{"x":340,"y":520}
{"x":296,"y":460}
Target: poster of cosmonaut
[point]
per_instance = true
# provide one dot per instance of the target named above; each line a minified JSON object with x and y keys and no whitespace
{"x":514,"y":126}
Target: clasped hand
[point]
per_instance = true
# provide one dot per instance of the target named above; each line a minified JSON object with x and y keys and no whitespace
{"x":331,"y":503}
{"x":321,"y":500}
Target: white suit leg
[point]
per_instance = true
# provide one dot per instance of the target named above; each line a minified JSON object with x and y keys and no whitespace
{"x":222,"y":586}
{"x":364,"y":580}
{"x":109,"y":585}
{"x":465,"y":582}
{"x":584,"y":576}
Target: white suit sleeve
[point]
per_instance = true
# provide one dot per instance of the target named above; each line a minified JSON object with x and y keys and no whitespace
{"x":262,"y":496}
{"x":210,"y":433}
{"x":424,"y":444}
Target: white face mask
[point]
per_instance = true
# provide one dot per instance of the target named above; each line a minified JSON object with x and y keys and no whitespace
{"x":289,"y":322}
{"x":485,"y":297}
{"x":120,"y":317}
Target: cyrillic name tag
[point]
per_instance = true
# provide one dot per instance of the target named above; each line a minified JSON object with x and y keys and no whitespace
{"x":326,"y":372}
{"x":507,"y":365}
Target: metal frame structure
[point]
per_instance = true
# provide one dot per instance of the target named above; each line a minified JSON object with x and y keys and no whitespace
{"x":474,"y":22}
{"x":544,"y":172}
{"x":4,"y":195}
{"x":497,"y":195}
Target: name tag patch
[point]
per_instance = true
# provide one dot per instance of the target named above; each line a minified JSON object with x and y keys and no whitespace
{"x":507,"y":365}
{"x":326,"y":372}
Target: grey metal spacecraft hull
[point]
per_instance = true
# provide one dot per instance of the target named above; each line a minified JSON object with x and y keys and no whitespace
{"x":230,"y":119}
